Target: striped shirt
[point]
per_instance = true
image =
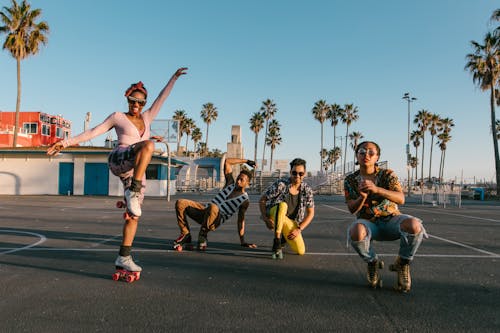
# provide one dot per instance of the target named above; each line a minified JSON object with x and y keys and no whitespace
{"x":228,"y":206}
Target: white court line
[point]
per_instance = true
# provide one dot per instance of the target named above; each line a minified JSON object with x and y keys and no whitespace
{"x":40,"y":241}
{"x":448,"y":240}
{"x":459,"y":215}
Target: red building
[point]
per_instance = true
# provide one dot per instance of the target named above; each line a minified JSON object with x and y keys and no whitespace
{"x":35,"y":129}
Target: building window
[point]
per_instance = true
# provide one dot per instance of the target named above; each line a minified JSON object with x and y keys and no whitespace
{"x":30,"y":128}
{"x":46,"y":130}
{"x":59,"y":132}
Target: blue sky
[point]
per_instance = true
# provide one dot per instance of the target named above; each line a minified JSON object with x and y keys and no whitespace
{"x":240,"y":53}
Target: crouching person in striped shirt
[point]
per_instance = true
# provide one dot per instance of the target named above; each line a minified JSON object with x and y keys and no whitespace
{"x":231,"y":199}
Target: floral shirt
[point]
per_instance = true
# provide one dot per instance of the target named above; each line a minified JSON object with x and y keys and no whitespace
{"x":278,"y":191}
{"x":375,"y":206}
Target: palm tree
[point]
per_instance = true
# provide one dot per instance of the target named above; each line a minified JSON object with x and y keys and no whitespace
{"x":444,"y":136}
{"x":434,"y":124}
{"x":355,"y":137}
{"x":335,"y":115}
{"x":333,"y":156}
{"x":196,"y":136}
{"x":498,"y":129}
{"x":320,"y":112}
{"x":415,"y":137}
{"x":24,"y":38}
{"x":414,"y":165}
{"x":422,"y":119}
{"x":349,"y":115}
{"x":180,"y":116}
{"x":484,"y":65}
{"x":208,"y":114}
{"x":256,"y":124}
{"x":188,"y":126}
{"x":268,"y":110}
{"x":273,"y":138}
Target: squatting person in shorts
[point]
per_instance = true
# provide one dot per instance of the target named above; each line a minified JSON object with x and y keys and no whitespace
{"x":373,"y":195}
{"x":130,"y":158}
{"x":287,"y":208}
{"x":231,"y":199}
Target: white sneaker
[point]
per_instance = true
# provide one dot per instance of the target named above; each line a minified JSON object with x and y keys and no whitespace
{"x":133,"y":204}
{"x":128,"y":264}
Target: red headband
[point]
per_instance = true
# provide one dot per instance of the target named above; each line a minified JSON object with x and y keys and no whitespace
{"x":139,"y":86}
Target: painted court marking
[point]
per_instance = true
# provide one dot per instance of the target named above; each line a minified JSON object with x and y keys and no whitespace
{"x":12,"y":250}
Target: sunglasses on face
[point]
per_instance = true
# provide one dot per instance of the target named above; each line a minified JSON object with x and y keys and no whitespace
{"x":300,"y":174}
{"x":368,"y":152}
{"x":132,"y":100}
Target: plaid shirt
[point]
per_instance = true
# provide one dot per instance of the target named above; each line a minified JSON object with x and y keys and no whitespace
{"x":277,"y":192}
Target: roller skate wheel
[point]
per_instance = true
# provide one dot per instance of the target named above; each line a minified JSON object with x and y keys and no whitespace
{"x":116,"y":276}
{"x":178,"y":248}
{"x":137,"y":275}
{"x":120,"y":204}
{"x":129,"y":278}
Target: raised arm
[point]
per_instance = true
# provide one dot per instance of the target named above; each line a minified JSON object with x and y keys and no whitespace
{"x":162,"y":96}
{"x":229,"y":162}
{"x":102,"y":128}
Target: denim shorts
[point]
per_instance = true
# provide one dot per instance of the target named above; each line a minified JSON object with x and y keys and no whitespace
{"x":384,"y":228}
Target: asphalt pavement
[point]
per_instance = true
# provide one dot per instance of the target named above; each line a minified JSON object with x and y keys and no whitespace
{"x":57,"y":256}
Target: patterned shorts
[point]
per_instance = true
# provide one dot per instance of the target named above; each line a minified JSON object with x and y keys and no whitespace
{"x":121,"y":162}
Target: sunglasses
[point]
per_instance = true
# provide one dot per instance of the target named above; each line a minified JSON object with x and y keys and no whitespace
{"x":132,"y":100}
{"x":368,"y":152}
{"x":300,"y":174}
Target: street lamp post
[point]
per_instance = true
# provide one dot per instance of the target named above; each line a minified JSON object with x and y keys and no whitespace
{"x":409,"y":99}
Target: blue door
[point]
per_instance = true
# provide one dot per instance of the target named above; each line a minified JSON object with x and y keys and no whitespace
{"x":96,"y":179}
{"x":66,"y":178}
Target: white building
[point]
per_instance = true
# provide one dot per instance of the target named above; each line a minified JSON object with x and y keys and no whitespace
{"x":77,"y":170}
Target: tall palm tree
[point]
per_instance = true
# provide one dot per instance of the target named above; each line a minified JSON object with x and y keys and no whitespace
{"x":188,"y":127}
{"x":320,"y":112}
{"x":434,"y":124}
{"x":422,"y":120}
{"x":24,"y":38}
{"x":349,"y":116}
{"x":273,"y":138}
{"x":268,"y":110}
{"x":414,"y":165}
{"x":180,"y":116}
{"x":415,"y":137}
{"x":196,"y":136}
{"x":256,"y":124}
{"x":484,"y":65}
{"x":335,"y":115}
{"x":444,"y":137}
{"x":208,"y":114}
{"x":355,"y":137}
{"x":333,"y":156}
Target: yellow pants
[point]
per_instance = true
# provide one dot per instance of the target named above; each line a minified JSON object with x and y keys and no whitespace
{"x":284,"y":225}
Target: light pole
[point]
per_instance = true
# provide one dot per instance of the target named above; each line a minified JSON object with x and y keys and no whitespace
{"x":409,"y":99}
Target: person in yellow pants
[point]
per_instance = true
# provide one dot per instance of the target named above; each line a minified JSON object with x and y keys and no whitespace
{"x":287,"y":208}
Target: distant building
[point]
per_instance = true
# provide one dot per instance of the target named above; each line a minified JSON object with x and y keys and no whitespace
{"x":35,"y":129}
